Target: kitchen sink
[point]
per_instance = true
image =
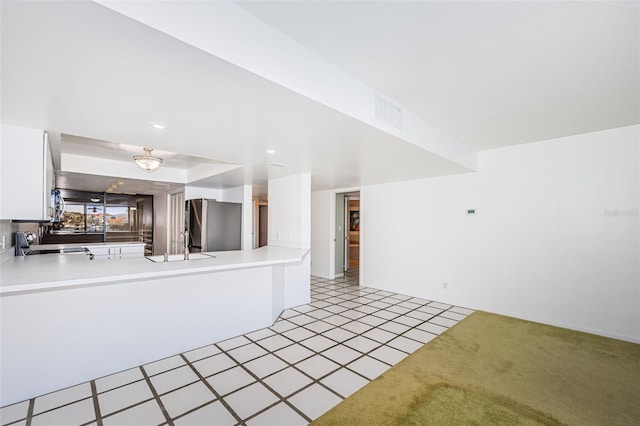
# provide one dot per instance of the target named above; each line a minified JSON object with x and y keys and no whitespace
{"x":180,"y":257}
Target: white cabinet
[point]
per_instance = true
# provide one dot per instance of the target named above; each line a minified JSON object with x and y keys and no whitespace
{"x":115,"y":251}
{"x":26,"y":174}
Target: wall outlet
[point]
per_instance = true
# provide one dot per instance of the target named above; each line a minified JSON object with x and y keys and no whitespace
{"x":445,"y":286}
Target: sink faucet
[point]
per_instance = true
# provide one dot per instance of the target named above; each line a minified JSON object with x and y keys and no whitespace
{"x":186,"y":245}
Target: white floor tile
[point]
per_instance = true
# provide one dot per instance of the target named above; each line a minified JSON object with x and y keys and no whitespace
{"x":374,"y":296}
{"x":362,"y":344}
{"x":212,"y":414}
{"x":388,"y":315}
{"x":404,"y":344}
{"x":247,"y":353}
{"x":248,"y":401}
{"x":379,"y":335}
{"x":62,"y":397}
{"x":201,"y":353}
{"x":163,"y":365}
{"x":320,"y":304}
{"x":283,"y":325}
{"x":337,"y":320}
{"x":372,"y":321}
{"x":119,"y":379}
{"x":453,"y":315}
{"x":214,"y":364}
{"x":235,"y":342}
{"x":350,"y":304}
{"x":432,"y":328}
{"x":279,"y":415}
{"x":287,"y":313}
{"x":420,"y":335}
{"x":319,"y":314}
{"x":410,"y":304}
{"x":344,"y":382}
{"x":338,"y":334}
{"x":148,"y":413}
{"x":318,"y":343}
{"x":445,"y":322}
{"x":389,"y":355}
{"x":187,"y":398}
{"x":274,"y":343}
{"x":298,"y":334}
{"x":341,"y":354}
{"x":260,"y":334}
{"x":352,"y":314}
{"x":399,"y":297}
{"x":430,"y":310}
{"x":407,"y":320}
{"x":459,"y":310}
{"x":398,"y":309}
{"x":123,"y":397}
{"x":265,"y":365}
{"x":317,"y":366}
{"x":423,"y":316}
{"x":304,"y":308}
{"x":74,"y":414}
{"x":14,"y":412}
{"x":319,"y":326}
{"x":368,"y":367}
{"x":173,"y":379}
{"x":419,"y":301}
{"x":394,"y":327}
{"x":301,"y":319}
{"x":366,"y":309}
{"x":439,"y":305}
{"x":356,"y":327}
{"x":336,"y":309}
{"x":230,"y":380}
{"x":287,"y":381}
{"x":315,"y":401}
{"x":294,"y":353}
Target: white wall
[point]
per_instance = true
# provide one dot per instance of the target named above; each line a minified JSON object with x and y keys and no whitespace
{"x":555,"y":239}
{"x":321,"y":235}
{"x":290,"y":211}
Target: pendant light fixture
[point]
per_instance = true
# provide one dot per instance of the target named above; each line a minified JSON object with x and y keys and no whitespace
{"x":148,"y":162}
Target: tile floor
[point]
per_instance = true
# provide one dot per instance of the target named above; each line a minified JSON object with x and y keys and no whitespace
{"x":289,"y":374}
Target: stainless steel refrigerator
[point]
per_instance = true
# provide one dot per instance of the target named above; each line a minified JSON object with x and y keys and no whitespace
{"x":213,"y":225}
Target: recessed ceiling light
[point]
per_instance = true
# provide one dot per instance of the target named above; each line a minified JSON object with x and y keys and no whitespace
{"x":158,"y":126}
{"x":271,"y":151}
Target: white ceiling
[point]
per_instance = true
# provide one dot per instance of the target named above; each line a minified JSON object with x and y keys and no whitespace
{"x":488,"y":73}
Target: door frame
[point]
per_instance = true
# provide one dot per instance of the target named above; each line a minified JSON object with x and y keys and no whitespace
{"x":332,"y":227}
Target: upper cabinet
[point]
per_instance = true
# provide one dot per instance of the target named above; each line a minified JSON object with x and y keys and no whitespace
{"x":26,"y":174}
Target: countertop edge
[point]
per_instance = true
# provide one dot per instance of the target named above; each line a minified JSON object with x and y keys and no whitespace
{"x":22,"y":288}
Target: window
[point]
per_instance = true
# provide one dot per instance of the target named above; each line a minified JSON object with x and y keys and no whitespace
{"x":119,"y":218}
{"x":83,"y":218}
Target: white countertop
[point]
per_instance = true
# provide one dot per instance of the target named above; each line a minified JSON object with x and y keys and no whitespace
{"x":57,"y":271}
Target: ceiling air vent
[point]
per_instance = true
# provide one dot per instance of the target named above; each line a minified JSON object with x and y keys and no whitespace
{"x":386,"y":111}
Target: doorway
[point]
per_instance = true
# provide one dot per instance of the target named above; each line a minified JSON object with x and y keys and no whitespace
{"x":347,"y":232}
{"x":263,"y":224}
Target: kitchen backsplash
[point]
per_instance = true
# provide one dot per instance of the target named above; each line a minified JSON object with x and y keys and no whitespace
{"x":8,"y":229}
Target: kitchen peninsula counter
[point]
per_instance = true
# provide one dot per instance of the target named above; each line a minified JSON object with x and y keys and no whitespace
{"x":66,"y":319}
{"x":58,"y":271}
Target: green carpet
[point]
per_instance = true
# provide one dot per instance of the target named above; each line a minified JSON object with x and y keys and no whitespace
{"x":495,"y":370}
